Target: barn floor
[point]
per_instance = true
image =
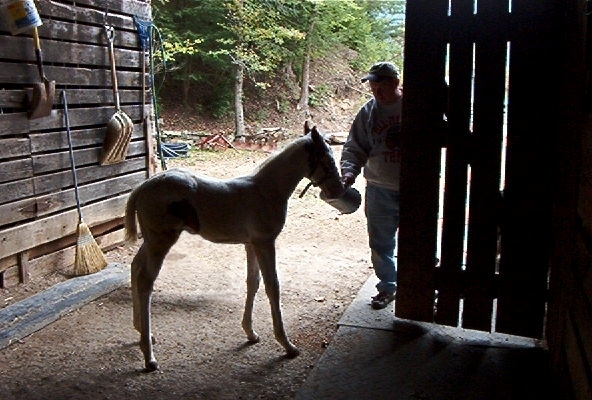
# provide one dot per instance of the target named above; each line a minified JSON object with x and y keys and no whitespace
{"x":375,"y":356}
{"x":372,"y":355}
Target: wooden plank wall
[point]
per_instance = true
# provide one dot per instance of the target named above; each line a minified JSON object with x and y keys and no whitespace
{"x":526,"y":234}
{"x":569,"y":326}
{"x":38,"y":215}
{"x":496,"y":229}
{"x":424,"y":72}
{"x":577,"y":342}
{"x":538,"y":282}
{"x":572,"y":347}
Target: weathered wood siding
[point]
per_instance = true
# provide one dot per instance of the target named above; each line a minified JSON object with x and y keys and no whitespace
{"x":516,"y":215}
{"x":578,"y":346}
{"x":569,"y":322}
{"x":38,"y":215}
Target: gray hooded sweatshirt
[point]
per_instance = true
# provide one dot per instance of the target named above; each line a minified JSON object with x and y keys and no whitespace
{"x":374,"y":145}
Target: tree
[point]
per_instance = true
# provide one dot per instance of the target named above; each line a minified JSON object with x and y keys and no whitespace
{"x":369,"y":27}
{"x":187,"y":28}
{"x":255,"y":44}
{"x":380,"y":34}
{"x":326,"y":23}
{"x":216,"y":47}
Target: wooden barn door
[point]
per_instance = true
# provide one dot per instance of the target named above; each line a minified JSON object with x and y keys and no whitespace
{"x":477,"y":195}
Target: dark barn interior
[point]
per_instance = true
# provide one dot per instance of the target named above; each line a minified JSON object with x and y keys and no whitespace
{"x":516,"y":171}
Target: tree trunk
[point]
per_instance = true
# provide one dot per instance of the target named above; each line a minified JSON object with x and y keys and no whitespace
{"x":305,"y":78}
{"x":239,"y":114}
{"x":186,"y":84}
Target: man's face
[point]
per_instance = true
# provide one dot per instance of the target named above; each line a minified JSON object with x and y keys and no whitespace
{"x":386,"y":91}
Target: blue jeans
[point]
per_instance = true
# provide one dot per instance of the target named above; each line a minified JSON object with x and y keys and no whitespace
{"x":382,"y":215}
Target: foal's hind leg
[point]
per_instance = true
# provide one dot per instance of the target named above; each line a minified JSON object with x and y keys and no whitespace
{"x":266,"y":255}
{"x":145,"y":268}
{"x":253,"y":279}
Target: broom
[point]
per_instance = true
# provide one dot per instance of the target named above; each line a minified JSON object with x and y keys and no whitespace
{"x":89,"y":257}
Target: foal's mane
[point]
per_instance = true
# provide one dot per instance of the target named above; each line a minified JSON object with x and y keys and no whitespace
{"x":288,"y":149}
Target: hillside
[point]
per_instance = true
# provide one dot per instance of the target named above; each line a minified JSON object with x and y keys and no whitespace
{"x":336,"y":95}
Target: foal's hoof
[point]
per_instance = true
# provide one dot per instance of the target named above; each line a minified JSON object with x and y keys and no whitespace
{"x":254,"y":338}
{"x":292,"y":352}
{"x":151,"y":366}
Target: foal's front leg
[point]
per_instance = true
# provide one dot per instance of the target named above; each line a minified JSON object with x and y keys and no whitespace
{"x":265,"y":253}
{"x":253,"y":279}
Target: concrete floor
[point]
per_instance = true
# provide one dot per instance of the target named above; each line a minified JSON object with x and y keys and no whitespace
{"x":376,"y":356}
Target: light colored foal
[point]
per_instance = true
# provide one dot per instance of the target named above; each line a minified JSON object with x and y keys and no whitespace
{"x":250,"y":209}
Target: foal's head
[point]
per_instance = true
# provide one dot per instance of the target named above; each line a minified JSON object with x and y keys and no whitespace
{"x":323,"y":168}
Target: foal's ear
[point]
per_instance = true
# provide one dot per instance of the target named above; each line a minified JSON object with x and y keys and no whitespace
{"x":317,"y":138}
{"x":306,"y":127}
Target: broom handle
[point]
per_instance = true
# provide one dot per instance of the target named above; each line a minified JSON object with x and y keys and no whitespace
{"x":67,"y":116}
{"x":110,"y":33}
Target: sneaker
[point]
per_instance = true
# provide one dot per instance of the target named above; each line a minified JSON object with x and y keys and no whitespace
{"x":381,"y":300}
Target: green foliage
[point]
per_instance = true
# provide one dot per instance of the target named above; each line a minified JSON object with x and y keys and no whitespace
{"x":223,"y":107}
{"x":256,"y":37}
{"x":283,"y":105}
{"x":204,"y":40}
{"x":382,"y":33}
{"x":319,"y":94}
{"x":261,"y":115}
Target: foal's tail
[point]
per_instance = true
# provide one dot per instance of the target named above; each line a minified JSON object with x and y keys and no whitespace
{"x":131,"y":229}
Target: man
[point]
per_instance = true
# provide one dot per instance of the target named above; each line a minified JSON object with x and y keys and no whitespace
{"x":373,"y":145}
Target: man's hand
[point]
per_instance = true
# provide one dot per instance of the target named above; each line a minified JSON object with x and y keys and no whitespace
{"x":348,"y":179}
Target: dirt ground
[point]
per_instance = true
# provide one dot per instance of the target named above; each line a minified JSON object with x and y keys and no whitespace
{"x":93,"y":353}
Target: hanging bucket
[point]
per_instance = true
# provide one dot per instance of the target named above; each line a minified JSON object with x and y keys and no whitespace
{"x":21,"y":15}
{"x":347,"y":203}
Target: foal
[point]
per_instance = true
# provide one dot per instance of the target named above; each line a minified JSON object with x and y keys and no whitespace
{"x":250,"y":209}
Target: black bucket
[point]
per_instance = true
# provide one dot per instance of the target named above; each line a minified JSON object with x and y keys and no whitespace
{"x":347,"y":203}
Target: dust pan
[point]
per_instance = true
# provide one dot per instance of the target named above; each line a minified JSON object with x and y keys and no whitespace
{"x":120,"y":127}
{"x":43,"y":92}
{"x":89,"y":256}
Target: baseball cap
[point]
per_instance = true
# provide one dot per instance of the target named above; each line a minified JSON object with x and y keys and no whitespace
{"x":381,"y":70}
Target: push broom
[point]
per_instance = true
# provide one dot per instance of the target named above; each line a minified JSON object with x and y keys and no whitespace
{"x":89,"y":256}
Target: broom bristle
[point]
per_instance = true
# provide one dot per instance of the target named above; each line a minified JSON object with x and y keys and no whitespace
{"x":89,"y":256}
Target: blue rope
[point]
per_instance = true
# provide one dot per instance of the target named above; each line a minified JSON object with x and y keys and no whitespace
{"x":146,"y":31}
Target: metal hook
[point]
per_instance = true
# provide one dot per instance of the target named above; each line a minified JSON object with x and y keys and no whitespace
{"x":110,"y":33}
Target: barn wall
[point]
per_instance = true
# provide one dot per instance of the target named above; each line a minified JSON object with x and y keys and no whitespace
{"x":493,"y":160}
{"x":543,"y":286}
{"x":38,"y":213}
{"x":569,"y":326}
{"x":578,"y":341}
